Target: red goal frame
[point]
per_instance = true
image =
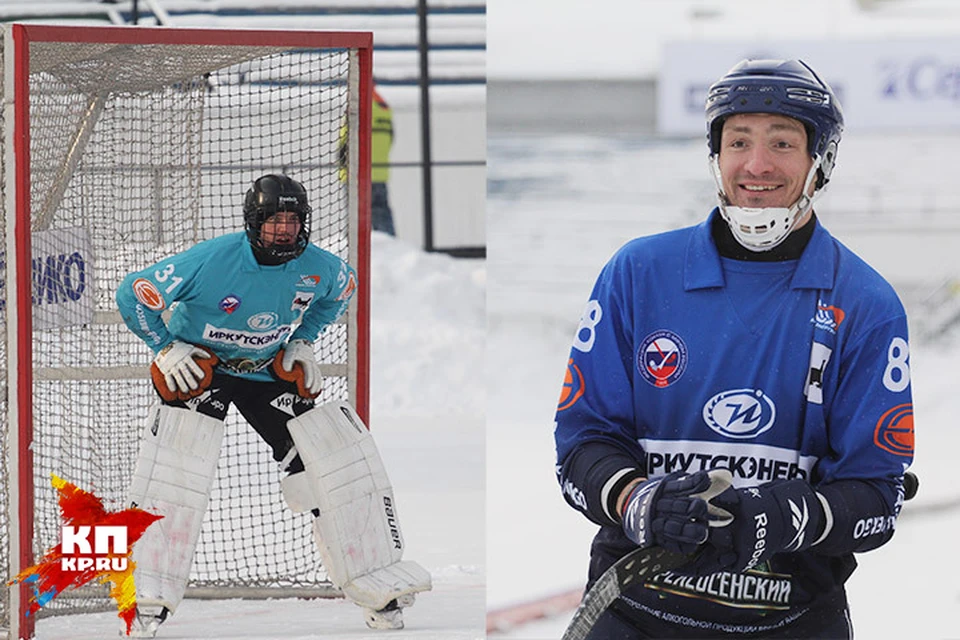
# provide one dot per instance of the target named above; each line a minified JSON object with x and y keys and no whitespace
{"x":19,"y":288}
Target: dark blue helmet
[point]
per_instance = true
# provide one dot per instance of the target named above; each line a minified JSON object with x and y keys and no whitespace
{"x":786,"y":87}
{"x":268,"y":195}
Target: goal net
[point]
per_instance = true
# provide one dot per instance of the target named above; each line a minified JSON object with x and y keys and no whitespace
{"x":122,"y":146}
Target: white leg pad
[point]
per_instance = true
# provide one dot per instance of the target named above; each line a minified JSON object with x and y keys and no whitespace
{"x":175,"y":469}
{"x":297,"y":492}
{"x":358,"y":532}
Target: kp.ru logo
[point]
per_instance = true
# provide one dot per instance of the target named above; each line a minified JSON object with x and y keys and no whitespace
{"x":107,"y":553}
{"x":96,"y":545}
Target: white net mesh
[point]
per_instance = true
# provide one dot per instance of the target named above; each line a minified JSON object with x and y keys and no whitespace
{"x":139,"y":151}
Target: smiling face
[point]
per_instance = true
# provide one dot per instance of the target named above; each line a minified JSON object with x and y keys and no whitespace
{"x":764,"y":160}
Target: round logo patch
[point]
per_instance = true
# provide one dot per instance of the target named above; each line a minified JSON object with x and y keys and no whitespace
{"x":262,"y":321}
{"x":148,"y":294}
{"x":894,"y":431}
{"x":662,"y":358}
{"x":740,"y":413}
{"x":572,"y":386}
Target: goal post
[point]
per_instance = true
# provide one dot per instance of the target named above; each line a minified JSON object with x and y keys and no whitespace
{"x":122,"y":146}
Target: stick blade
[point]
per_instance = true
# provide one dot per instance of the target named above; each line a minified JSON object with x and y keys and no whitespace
{"x":629,"y":570}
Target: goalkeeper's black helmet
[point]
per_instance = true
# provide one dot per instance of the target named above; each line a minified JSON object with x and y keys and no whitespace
{"x":269,"y":195}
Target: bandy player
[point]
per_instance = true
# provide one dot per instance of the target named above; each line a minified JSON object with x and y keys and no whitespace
{"x":246,"y":310}
{"x":741,"y":389}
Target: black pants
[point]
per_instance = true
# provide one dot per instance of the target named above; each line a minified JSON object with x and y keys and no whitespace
{"x":265,"y":405}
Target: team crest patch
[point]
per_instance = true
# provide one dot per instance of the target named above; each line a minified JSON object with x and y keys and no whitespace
{"x":229,"y":304}
{"x":828,"y":317}
{"x":894,"y":431}
{"x":662,"y":358}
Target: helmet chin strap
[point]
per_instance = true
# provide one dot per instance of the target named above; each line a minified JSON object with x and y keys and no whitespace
{"x":763,"y":228}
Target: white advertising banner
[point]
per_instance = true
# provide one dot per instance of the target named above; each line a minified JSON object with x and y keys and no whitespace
{"x":62,"y":278}
{"x":891,"y":84}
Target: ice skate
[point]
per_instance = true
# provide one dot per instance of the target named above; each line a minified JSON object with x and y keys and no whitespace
{"x":147,"y":622}
{"x":391,"y":616}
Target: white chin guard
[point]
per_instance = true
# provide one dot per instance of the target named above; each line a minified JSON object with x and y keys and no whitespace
{"x":762,"y":229}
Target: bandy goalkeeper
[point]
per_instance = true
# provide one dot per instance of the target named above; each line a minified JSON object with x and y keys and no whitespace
{"x":245,"y":311}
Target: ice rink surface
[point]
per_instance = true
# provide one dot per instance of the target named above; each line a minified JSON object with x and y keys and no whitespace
{"x":558,"y":207}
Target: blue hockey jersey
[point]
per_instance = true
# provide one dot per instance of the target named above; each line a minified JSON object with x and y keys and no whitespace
{"x":685,"y":360}
{"x":221,"y":298}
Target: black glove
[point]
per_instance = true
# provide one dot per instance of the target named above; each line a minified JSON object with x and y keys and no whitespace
{"x":749,"y":525}
{"x":672,"y":511}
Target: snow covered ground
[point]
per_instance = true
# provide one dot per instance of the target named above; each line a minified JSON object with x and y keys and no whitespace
{"x":558,"y":207}
{"x":428,"y":335}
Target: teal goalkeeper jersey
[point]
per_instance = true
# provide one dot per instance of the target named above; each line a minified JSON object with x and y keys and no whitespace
{"x":221,"y":298}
